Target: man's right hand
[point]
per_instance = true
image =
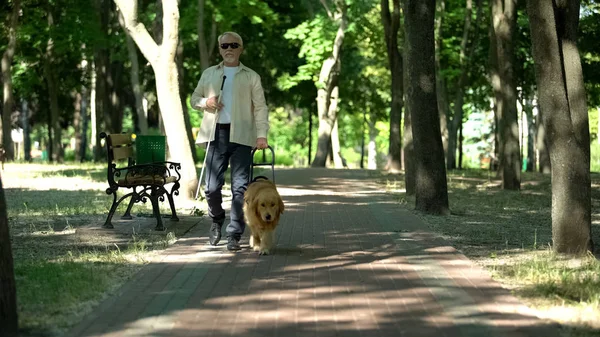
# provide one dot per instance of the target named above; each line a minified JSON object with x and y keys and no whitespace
{"x":213,"y":103}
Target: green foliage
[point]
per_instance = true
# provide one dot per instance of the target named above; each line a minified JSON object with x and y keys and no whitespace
{"x":590,"y":51}
{"x":289,"y":136}
{"x":53,"y":293}
{"x":316,"y":44}
{"x":286,"y":42}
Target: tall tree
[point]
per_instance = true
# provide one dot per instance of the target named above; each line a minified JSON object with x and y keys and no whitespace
{"x":100,"y":87}
{"x":541,"y":141}
{"x":504,"y":18}
{"x":134,"y":73}
{"x":440,"y":81}
{"x":465,"y":58}
{"x":528,"y":111}
{"x":9,"y":103}
{"x":327,"y":86}
{"x":55,"y":150}
{"x":8,"y":299}
{"x":562,"y":99}
{"x":391,"y":27}
{"x":162,"y":58}
{"x":205,"y":47}
{"x":431,"y":188}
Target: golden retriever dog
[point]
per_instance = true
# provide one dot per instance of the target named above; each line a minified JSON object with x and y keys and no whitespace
{"x":262,"y":208}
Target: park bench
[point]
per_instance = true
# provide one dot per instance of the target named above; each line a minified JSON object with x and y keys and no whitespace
{"x":151,"y":177}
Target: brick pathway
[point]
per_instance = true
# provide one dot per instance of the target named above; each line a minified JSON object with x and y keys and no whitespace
{"x":348,"y":262}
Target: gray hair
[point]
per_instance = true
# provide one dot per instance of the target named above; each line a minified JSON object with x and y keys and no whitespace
{"x":234,"y":34}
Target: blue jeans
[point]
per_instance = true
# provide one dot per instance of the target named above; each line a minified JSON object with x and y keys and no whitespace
{"x":220,"y":155}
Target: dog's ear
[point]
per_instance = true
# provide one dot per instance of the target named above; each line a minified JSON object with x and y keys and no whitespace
{"x":249,"y":196}
{"x":281,"y":206}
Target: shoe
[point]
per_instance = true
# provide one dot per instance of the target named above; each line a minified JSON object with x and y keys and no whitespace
{"x":214,"y":234}
{"x":233,"y":244}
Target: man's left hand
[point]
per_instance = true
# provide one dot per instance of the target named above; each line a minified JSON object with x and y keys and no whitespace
{"x":261,"y":143}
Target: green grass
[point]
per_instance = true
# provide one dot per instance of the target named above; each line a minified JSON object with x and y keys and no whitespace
{"x":551,"y":276}
{"x":52,"y":295}
{"x":62,"y":272}
{"x":510,"y":233}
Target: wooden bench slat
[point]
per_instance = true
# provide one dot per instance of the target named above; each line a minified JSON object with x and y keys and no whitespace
{"x":122,"y":152}
{"x":120,"y":139}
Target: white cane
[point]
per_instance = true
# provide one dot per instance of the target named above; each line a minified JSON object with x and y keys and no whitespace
{"x":214,"y":127}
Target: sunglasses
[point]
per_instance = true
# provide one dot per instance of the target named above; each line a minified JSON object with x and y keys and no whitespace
{"x":233,"y":45}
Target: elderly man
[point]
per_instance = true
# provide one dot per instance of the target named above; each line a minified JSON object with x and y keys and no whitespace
{"x":239,"y":122}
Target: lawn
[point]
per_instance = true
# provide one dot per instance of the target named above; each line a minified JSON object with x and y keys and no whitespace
{"x":509,"y":233}
{"x":63,"y":268}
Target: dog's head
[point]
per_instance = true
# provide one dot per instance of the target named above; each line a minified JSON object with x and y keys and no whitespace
{"x":266,"y":202}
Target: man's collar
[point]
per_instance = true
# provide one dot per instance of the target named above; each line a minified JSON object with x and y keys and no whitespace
{"x":241,"y":65}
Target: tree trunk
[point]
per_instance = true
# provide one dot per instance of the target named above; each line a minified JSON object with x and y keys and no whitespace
{"x":497,"y":89}
{"x":440,"y":82}
{"x":391,"y":25}
{"x":142,"y":118}
{"x":562,"y":98}
{"x":372,"y":150}
{"x":327,"y":94}
{"x":431,"y":186}
{"x":310,"y":137}
{"x":55,"y":152}
{"x":504,"y":21}
{"x":408,"y":151}
{"x":77,"y":123}
{"x":162,"y":59}
{"x":460,"y":146}
{"x":8,"y":104}
{"x":84,"y":123}
{"x":186,"y":114}
{"x":104,"y":73}
{"x":362,"y":140}
{"x":206,"y":49}
{"x":541,"y":141}
{"x":101,"y":111}
{"x":117,"y":94}
{"x":531,"y":157}
{"x":456,"y":121}
{"x":9,"y":324}
{"x":335,"y":146}
{"x":95,"y":117}
{"x":26,"y":130}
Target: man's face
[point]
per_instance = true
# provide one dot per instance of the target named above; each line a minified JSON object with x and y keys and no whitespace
{"x":231,"y":55}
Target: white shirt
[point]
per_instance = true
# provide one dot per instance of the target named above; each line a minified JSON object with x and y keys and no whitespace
{"x":227,"y":93}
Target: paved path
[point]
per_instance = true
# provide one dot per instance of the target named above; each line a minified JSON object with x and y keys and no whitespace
{"x":348,"y":262}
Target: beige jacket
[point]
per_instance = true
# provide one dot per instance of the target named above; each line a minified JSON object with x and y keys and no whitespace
{"x":249,"y":113}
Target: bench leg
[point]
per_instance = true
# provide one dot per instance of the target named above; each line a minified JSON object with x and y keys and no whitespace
{"x":174,"y":216}
{"x":156,"y":210}
{"x":127,"y":214}
{"x":113,"y":208}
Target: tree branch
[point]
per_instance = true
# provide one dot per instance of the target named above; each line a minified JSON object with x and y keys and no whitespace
{"x":137,"y":30}
{"x":170,"y":28}
{"x":329,"y":13}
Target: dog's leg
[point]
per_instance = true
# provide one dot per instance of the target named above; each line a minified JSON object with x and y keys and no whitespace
{"x":255,"y":241}
{"x":266,"y":243}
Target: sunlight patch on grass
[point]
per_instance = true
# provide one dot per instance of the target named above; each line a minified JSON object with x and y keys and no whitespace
{"x":57,"y":293}
{"x":561,"y":288}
